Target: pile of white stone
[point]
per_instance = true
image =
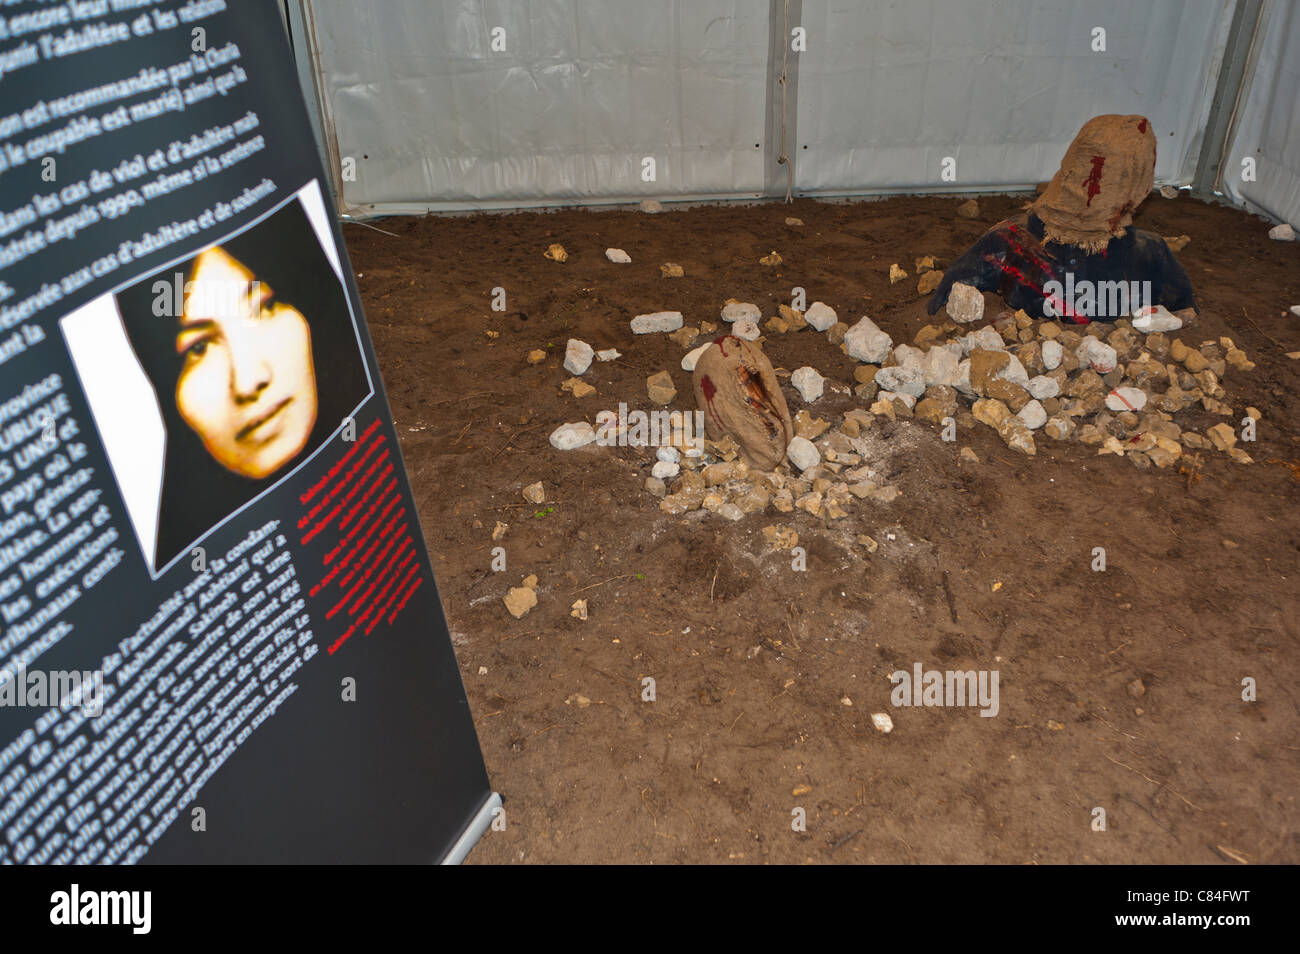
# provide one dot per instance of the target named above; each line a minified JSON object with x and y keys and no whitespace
{"x":1116,"y":385}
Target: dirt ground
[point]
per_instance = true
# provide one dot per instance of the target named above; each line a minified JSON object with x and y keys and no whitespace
{"x":752,"y":661}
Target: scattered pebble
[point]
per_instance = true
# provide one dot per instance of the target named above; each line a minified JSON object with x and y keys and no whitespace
{"x":791,"y":220}
{"x":665,"y":470}
{"x":650,"y":205}
{"x":734,"y":311}
{"x":970,"y":209}
{"x":556,"y":253}
{"x":1151,"y":319}
{"x":499,"y":531}
{"x":896,"y":274}
{"x":618,"y":256}
{"x":821,"y":316}
{"x":656,"y":321}
{"x":670,"y":270}
{"x":609,"y":354}
{"x":534,"y":493}
{"x":521,"y":599}
{"x":1126,"y":399}
{"x":1169,"y":192}
{"x":809,"y":383}
{"x":803,"y":453}
{"x":571,"y":436}
{"x":577,"y":356}
{"x":745,"y":330}
{"x":579,"y":609}
{"x":965,"y":303}
{"x":882,"y":722}
{"x":771,"y":258}
{"x":1282,"y":233}
{"x":660,"y":388}
{"x":689,"y":361}
{"x":866,"y":342}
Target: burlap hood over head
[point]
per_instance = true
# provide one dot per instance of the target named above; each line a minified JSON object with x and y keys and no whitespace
{"x":1106,"y":173}
{"x":737,"y":389}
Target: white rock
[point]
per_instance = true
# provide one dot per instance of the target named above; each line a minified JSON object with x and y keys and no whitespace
{"x":965,"y":303}
{"x":741,"y":311}
{"x":668,"y":455}
{"x":882,"y":722}
{"x":821,"y":316}
{"x":1169,"y":192}
{"x":1153,"y":318}
{"x":609,"y":354}
{"x":1043,"y":387}
{"x":941,"y":367}
{"x":665,"y":469}
{"x":650,"y":205}
{"x":1126,"y":399}
{"x":693,"y":356}
{"x":908,"y":357}
{"x":905,"y":397}
{"x":866,"y":342}
{"x":656,"y":321}
{"x":577,"y":356}
{"x":901,"y":379}
{"x":1282,"y":233}
{"x":618,"y":256}
{"x":1052,"y":354}
{"x":1014,"y":372}
{"x":962,"y":383}
{"x":803,"y":453}
{"x":986,"y":338}
{"x":1295,"y":310}
{"x":1032,"y":415}
{"x":1095,"y":353}
{"x":745,"y":330}
{"x":808,"y":383}
{"x":568,"y":436}
{"x":730,"y":511}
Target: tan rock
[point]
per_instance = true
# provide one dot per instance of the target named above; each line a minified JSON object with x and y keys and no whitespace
{"x":805,"y":425}
{"x":660,"y":388}
{"x":984,"y":367}
{"x":520,"y":600}
{"x":534,"y":493}
{"x":991,"y":412}
{"x":781,"y":538}
{"x":896,"y":274}
{"x":1016,"y":435}
{"x":684,"y":337}
{"x":536,"y":356}
{"x":556,"y":253}
{"x":929,"y":282}
{"x":670,"y":270}
{"x":1222,"y":437}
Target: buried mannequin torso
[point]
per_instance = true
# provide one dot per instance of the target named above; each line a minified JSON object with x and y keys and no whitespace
{"x":1012,"y":260}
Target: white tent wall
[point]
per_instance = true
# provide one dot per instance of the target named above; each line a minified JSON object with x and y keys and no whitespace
{"x":888,"y":89}
{"x":582,"y":93}
{"x":479,"y":104}
{"x":1267,"y":126}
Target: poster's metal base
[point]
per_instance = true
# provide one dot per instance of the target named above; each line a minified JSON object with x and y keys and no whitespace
{"x":473,"y":831}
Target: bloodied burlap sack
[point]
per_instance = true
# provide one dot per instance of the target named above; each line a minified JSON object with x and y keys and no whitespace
{"x":1106,"y":173}
{"x":737,"y":390}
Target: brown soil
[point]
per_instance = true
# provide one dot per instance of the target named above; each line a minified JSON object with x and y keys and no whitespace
{"x":751,"y":659}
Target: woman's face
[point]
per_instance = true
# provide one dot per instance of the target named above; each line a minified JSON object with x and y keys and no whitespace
{"x":247,"y":384}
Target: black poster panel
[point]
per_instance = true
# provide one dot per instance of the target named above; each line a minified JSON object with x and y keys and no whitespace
{"x":220,"y":638}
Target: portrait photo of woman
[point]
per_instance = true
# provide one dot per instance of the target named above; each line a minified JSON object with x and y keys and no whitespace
{"x":250,"y":350}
